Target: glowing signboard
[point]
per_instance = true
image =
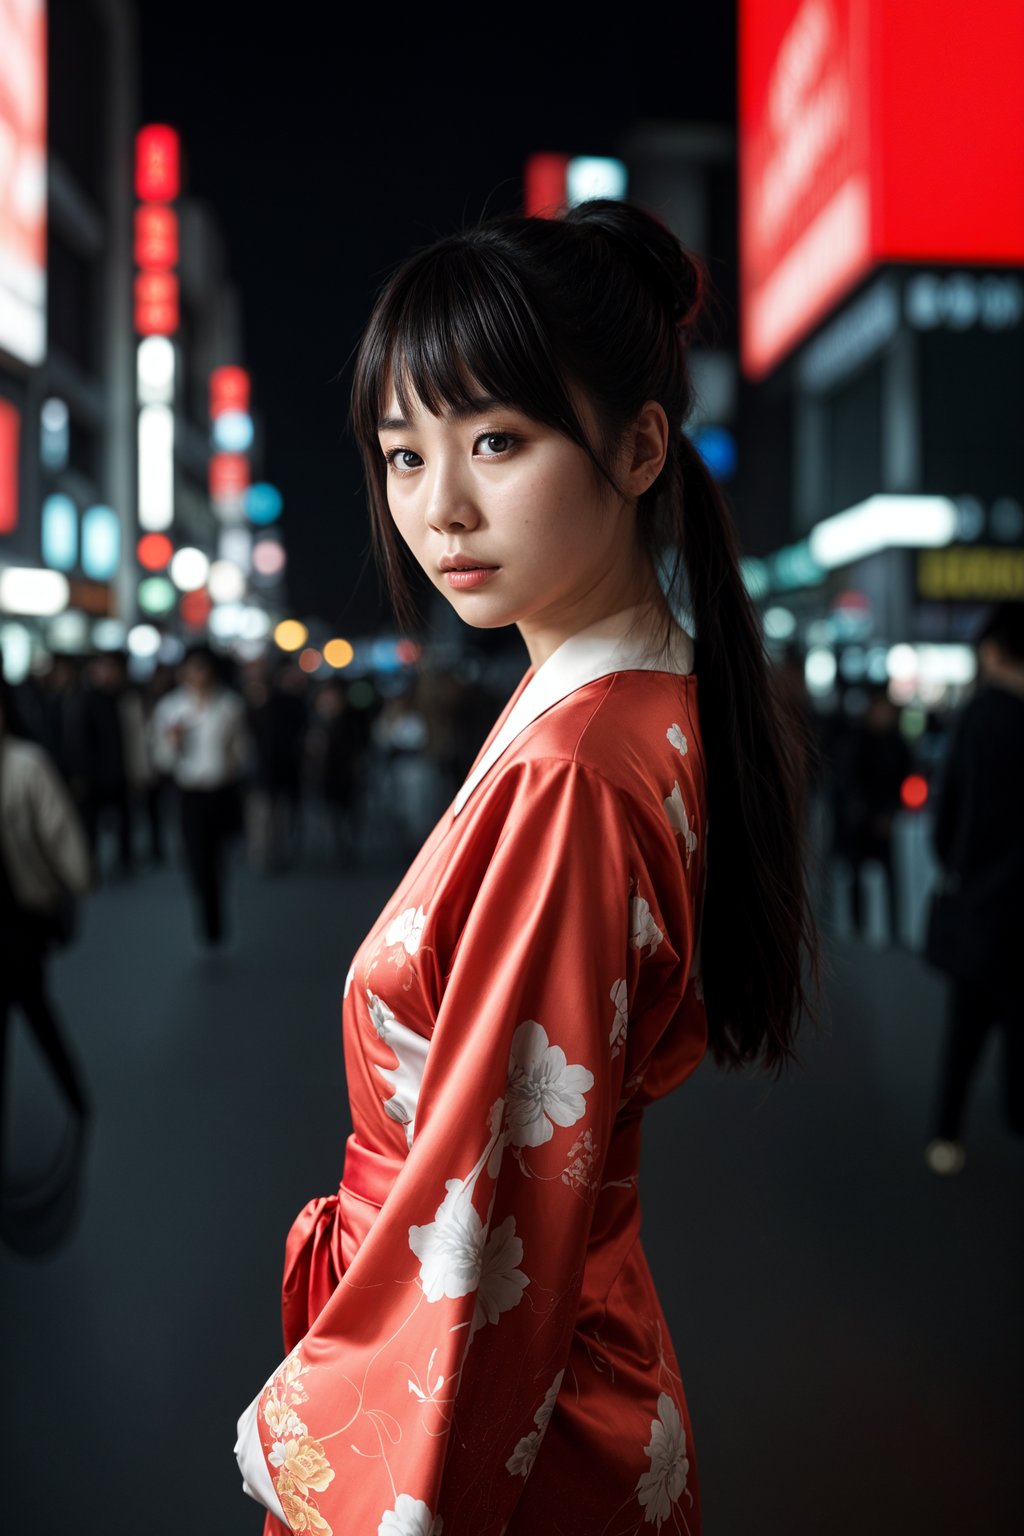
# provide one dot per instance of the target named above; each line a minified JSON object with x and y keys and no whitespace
{"x":976,"y":574}
{"x":229,"y":390}
{"x":861,"y":141}
{"x":23,"y":179}
{"x":10,"y":434}
{"x":157,"y":164}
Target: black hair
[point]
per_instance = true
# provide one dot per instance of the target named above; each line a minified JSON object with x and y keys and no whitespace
{"x":1004,"y":623}
{"x":200,"y":651}
{"x":604,"y":301}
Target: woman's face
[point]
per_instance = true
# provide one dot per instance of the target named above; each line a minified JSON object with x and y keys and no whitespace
{"x":541,"y":541}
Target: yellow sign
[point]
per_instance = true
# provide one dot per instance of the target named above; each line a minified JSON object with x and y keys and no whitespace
{"x":986,"y":575}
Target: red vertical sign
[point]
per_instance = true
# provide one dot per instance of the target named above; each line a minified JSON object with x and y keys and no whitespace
{"x":10,"y":425}
{"x":804,"y":174}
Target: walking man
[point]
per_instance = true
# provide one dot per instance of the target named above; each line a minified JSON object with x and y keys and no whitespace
{"x":199,"y":737}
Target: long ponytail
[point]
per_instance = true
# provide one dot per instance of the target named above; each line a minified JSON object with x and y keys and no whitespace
{"x":758,"y":922}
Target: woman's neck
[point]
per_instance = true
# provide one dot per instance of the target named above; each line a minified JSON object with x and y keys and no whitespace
{"x":543,"y":636}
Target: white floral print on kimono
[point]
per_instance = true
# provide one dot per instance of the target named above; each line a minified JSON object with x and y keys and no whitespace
{"x":407,"y":929}
{"x":410,"y":1517}
{"x":662,"y":1486}
{"x":645,"y":933}
{"x":675,"y":810}
{"x":520,"y":1463}
{"x":543,"y":1089}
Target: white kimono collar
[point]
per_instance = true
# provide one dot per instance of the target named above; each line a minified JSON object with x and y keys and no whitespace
{"x":593,"y":653}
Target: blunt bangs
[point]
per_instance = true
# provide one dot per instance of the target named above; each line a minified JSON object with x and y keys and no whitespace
{"x":458,"y":324}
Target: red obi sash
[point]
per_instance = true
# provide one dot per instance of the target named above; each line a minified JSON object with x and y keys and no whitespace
{"x":328,"y":1232}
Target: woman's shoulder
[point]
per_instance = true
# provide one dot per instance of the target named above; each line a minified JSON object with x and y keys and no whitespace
{"x":638,"y":730}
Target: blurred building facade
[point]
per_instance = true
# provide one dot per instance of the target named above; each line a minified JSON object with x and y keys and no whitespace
{"x":66,"y":379}
{"x":116,"y":308}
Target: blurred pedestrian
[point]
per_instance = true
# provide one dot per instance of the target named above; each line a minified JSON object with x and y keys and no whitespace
{"x":159,"y":781}
{"x":977,"y":919}
{"x":44,"y":866}
{"x":439,"y":700}
{"x":199,"y":737}
{"x":871,"y":762}
{"x":45,"y":708}
{"x":336,"y":744}
{"x":399,"y":734}
{"x":277,"y":719}
{"x":97,"y":756}
{"x":138,"y":751}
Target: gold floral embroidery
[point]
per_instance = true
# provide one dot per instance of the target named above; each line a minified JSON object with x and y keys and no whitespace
{"x":304,"y":1466}
{"x":301,"y":1514}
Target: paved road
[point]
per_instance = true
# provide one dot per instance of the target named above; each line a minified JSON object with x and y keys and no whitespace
{"x":849,"y":1326}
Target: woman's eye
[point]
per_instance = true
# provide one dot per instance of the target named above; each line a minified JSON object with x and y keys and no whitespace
{"x":496,"y":442}
{"x":399,"y":459}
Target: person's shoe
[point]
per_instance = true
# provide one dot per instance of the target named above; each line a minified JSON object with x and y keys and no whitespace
{"x":945,"y":1158}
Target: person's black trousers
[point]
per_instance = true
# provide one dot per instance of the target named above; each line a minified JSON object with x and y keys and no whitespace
{"x":205,"y":830}
{"x":23,"y":986}
{"x":881,"y":850}
{"x":117,"y":799}
{"x":975,"y":1007}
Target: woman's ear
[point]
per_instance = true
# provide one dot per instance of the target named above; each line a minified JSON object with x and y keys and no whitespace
{"x":648,"y":440}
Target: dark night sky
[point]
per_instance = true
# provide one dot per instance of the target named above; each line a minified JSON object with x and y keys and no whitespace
{"x":329,"y":157}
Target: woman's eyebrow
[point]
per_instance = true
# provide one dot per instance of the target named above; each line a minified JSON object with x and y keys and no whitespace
{"x":476,"y":405}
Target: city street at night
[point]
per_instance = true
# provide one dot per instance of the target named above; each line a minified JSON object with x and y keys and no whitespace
{"x":848,"y":1325}
{"x":511,"y":746}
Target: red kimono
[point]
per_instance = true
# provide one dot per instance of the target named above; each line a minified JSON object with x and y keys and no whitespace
{"x":476,"y":1343}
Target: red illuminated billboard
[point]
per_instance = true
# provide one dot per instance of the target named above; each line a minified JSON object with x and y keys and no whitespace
{"x":156,"y":236}
{"x":871,"y":131}
{"x":229,"y":391}
{"x":157,"y":164}
{"x":229,"y":475}
{"x":545,"y":185}
{"x":156,"y":303}
{"x":23,"y":179}
{"x":10,"y":425}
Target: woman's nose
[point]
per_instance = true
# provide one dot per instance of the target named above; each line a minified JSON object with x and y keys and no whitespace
{"x":450,"y":502}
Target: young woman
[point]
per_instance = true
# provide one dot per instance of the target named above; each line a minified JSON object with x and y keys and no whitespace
{"x":475,"y":1344}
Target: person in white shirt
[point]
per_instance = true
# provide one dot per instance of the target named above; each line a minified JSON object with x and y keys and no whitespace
{"x":199,"y":737}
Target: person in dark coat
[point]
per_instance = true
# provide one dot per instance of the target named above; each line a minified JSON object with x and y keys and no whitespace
{"x":44,"y":860}
{"x":871,"y":762}
{"x":335,"y":748}
{"x":97,"y":756}
{"x":978,"y":838}
{"x":277,"y":717}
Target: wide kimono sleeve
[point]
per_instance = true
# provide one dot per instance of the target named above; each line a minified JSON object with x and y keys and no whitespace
{"x":418,"y":1400}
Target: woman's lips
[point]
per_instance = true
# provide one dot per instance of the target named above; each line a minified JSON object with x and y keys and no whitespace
{"x":464,"y":579}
